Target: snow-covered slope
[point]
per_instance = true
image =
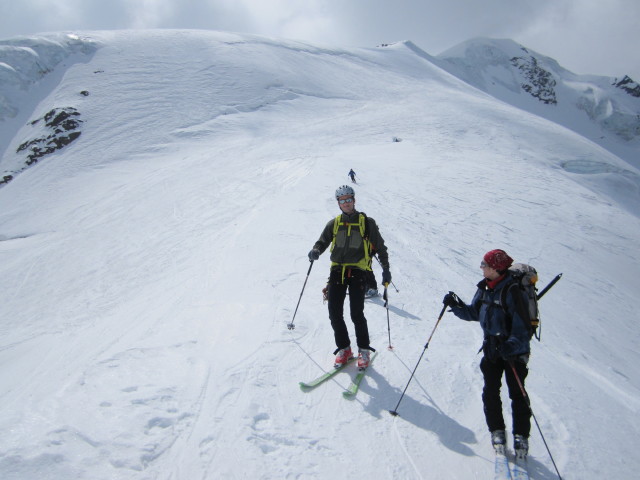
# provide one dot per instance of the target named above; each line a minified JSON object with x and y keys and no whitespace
{"x":606,"y":110}
{"x":149,"y":268}
{"x":30,"y":67}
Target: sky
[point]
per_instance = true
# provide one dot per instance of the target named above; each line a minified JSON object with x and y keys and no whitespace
{"x":585,"y":36}
{"x":148,"y":270}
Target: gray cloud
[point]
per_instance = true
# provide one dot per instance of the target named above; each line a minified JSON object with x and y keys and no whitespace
{"x":585,"y":36}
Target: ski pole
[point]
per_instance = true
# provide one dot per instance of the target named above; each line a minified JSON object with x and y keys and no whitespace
{"x":386,"y":305}
{"x":380,"y":263}
{"x":528,"y":402}
{"x":291,"y":326}
{"x":551,"y":284}
{"x":394,"y":412}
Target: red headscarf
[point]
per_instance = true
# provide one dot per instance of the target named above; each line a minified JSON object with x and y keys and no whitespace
{"x":498,"y":260}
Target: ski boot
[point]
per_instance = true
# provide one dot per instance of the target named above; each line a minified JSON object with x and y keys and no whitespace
{"x":521,"y":446}
{"x":499,"y":441}
{"x":364,"y":357}
{"x":342,"y":357}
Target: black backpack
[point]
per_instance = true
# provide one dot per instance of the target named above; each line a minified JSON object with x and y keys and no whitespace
{"x":524,"y":278}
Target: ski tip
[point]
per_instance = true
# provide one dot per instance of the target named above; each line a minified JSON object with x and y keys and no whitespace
{"x":394,"y":413}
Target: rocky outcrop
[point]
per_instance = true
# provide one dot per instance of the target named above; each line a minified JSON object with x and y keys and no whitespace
{"x":539,"y":83}
{"x":628,"y":85}
{"x":58,"y":128}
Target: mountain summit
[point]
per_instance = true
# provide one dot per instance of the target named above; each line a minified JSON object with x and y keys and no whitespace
{"x":604,"y":109}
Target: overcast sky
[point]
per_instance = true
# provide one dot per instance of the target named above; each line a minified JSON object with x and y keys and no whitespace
{"x":599,"y":37}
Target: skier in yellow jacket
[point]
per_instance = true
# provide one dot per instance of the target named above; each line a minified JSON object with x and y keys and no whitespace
{"x":352,"y":236}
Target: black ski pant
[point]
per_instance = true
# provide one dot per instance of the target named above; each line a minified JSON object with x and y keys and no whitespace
{"x":493,"y":372}
{"x":355,"y":280}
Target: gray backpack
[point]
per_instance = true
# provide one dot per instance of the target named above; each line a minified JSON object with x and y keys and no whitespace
{"x":524,"y":278}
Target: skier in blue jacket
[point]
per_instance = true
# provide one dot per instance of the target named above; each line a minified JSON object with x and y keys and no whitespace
{"x":506,"y":344}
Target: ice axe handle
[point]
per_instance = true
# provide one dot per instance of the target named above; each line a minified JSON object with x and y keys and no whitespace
{"x":548,"y":287}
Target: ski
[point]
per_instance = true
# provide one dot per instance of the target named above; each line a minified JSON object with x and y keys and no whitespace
{"x":520,"y":471}
{"x":352,"y":389}
{"x":324,"y":377}
{"x":501,"y":471}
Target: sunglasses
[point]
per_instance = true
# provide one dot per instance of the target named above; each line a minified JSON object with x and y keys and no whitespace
{"x":345,"y":200}
{"x":484,"y":264}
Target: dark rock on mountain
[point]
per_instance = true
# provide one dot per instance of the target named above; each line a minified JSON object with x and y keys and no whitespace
{"x":629,"y":86}
{"x":540,"y":83}
{"x":61,"y":127}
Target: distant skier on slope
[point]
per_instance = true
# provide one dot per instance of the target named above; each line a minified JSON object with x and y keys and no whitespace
{"x":352,"y":175}
{"x":350,"y":235}
{"x":506,"y":347}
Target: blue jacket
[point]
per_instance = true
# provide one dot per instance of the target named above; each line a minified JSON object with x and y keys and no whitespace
{"x":506,"y":332}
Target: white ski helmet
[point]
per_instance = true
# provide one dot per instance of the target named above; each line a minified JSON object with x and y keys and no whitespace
{"x":344,"y":190}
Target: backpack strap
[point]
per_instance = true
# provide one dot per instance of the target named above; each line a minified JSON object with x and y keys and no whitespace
{"x":365,"y":231}
{"x":363,"y":223}
{"x":336,"y":225}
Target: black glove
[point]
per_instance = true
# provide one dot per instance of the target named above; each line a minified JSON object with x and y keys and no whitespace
{"x":452,"y":300}
{"x":523,"y":358}
{"x":386,"y":276}
{"x":314,"y":255}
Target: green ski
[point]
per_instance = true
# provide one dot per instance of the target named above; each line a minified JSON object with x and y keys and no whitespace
{"x":325,"y":376}
{"x":352,"y":390}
